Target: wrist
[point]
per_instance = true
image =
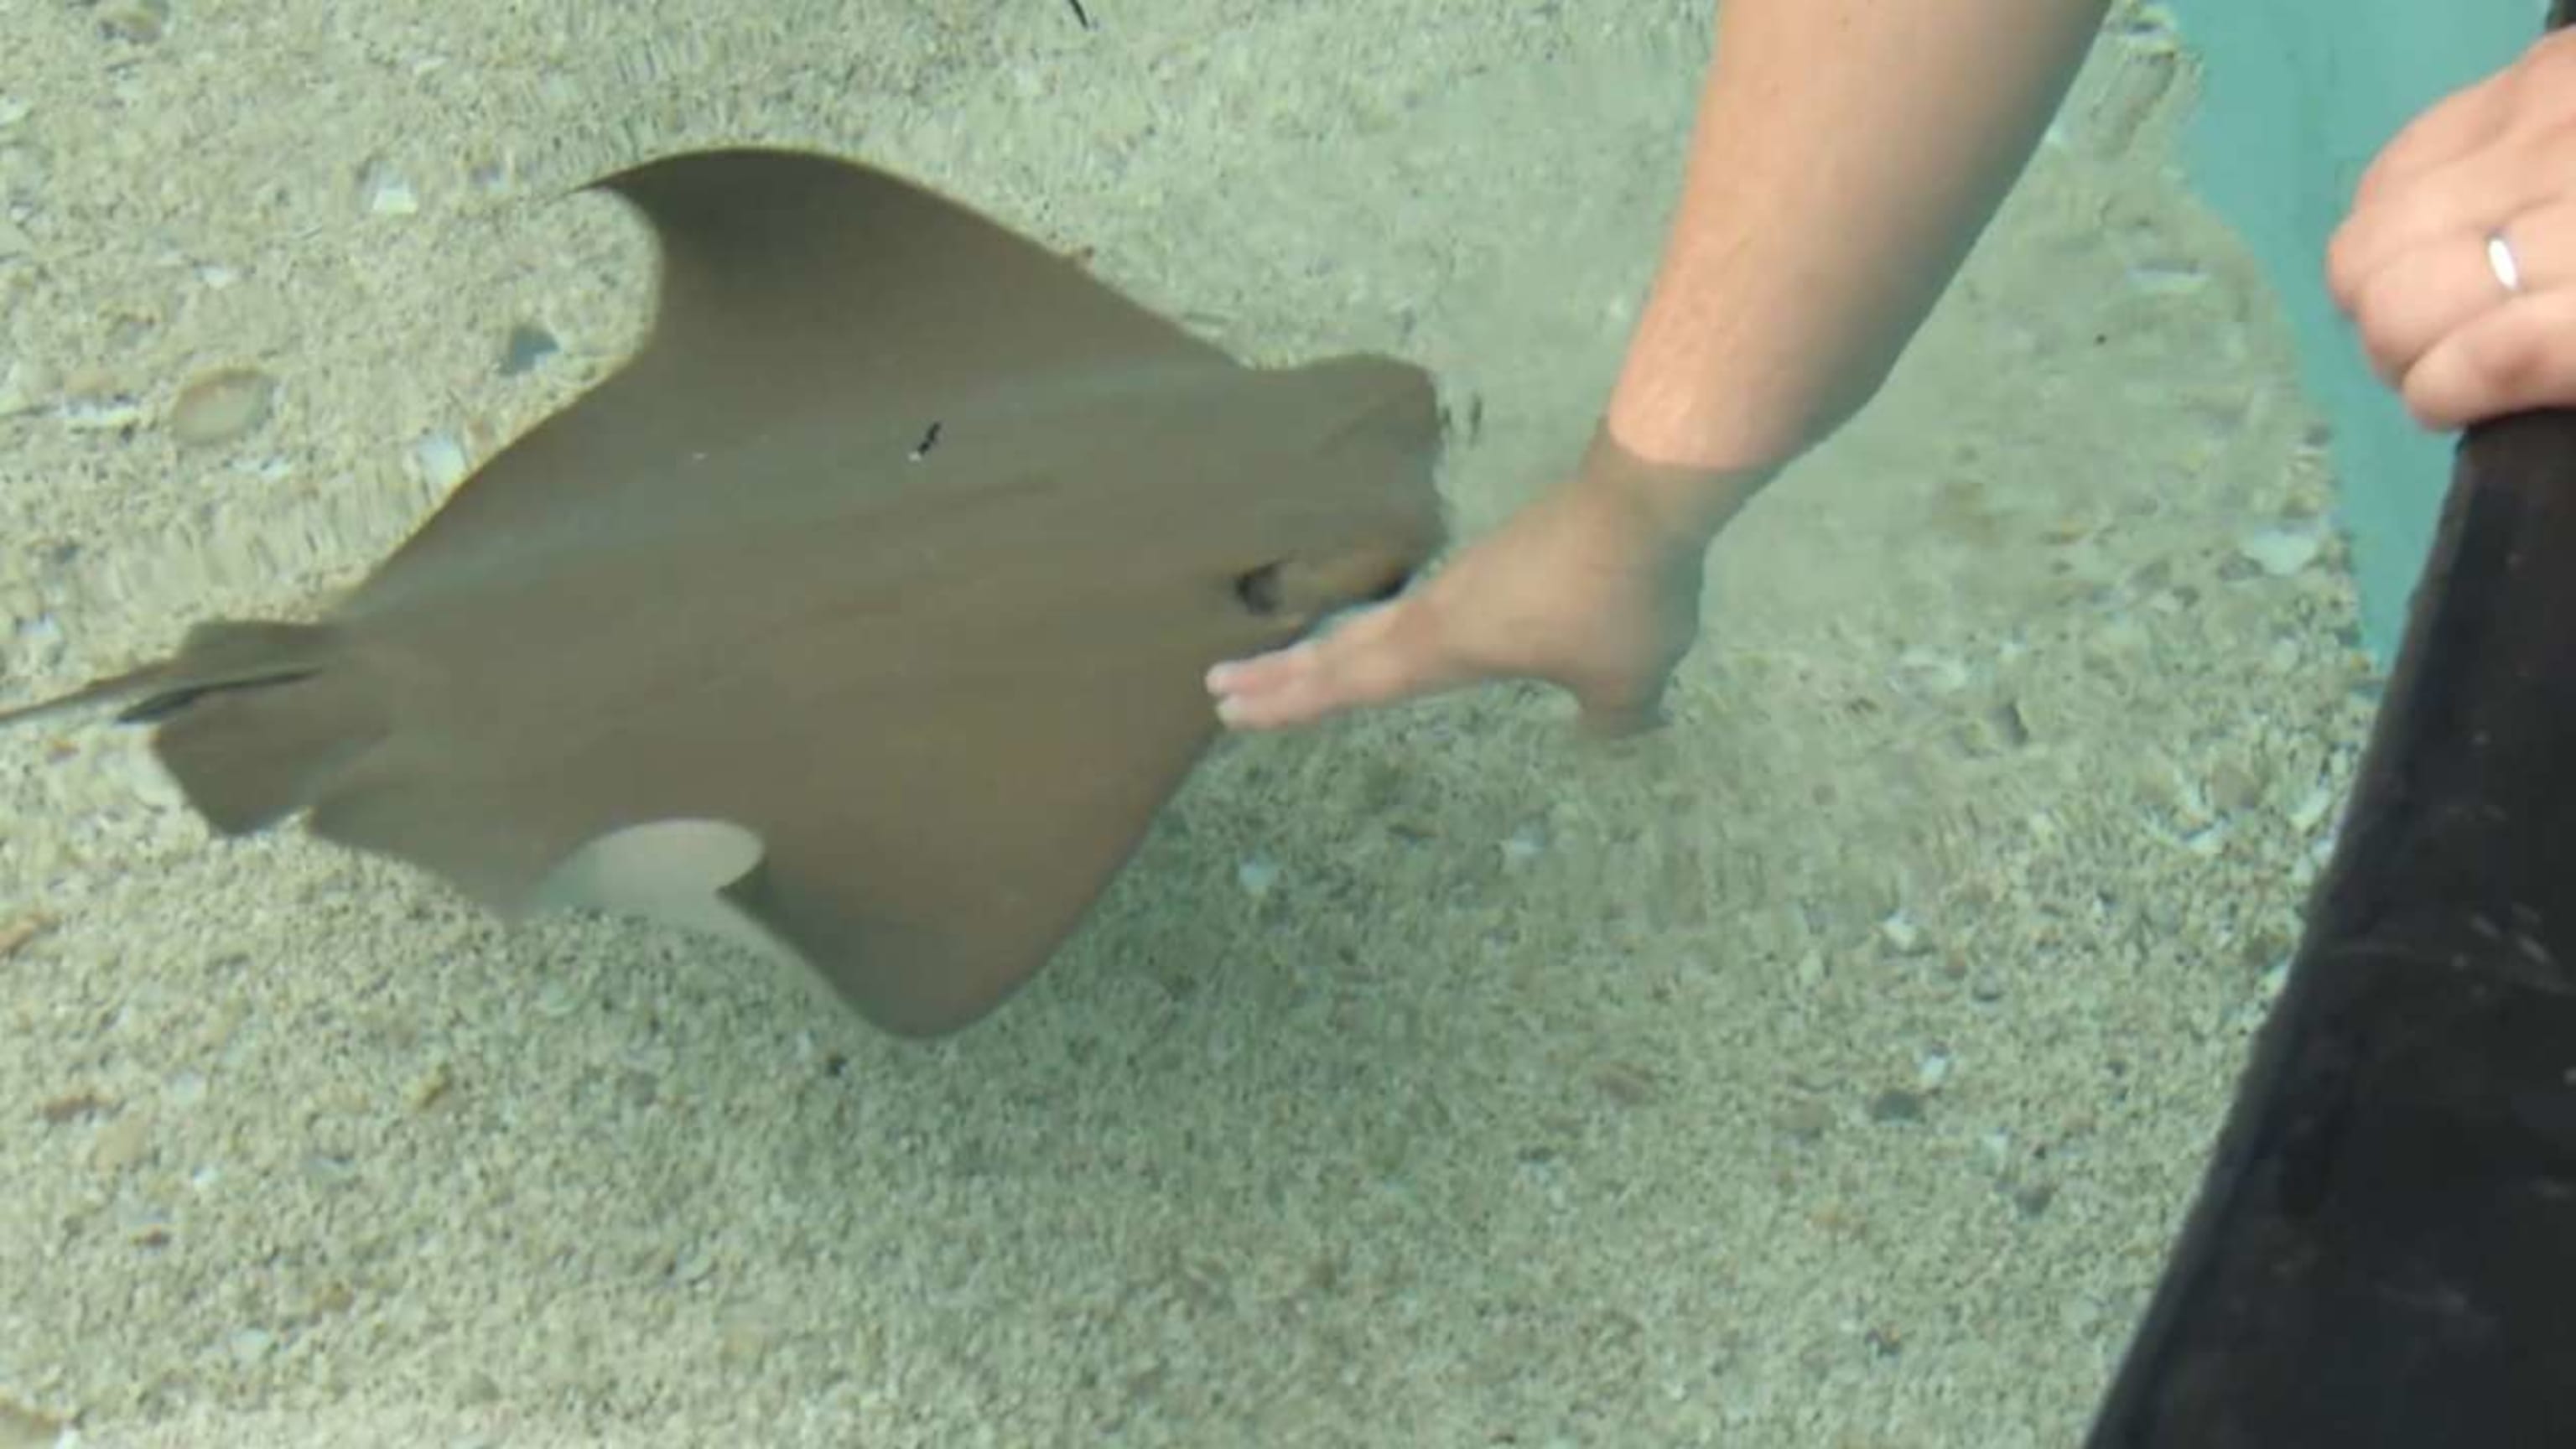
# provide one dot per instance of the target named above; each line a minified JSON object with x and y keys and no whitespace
{"x":1683,"y":504}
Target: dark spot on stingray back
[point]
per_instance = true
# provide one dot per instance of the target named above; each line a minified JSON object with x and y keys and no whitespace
{"x":1258,"y":589}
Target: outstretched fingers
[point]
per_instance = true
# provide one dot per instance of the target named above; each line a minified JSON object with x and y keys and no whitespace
{"x":1383,"y":655}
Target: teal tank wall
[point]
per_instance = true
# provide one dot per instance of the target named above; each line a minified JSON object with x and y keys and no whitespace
{"x":2297,"y":96}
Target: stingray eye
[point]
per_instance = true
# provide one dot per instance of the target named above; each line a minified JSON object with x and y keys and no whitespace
{"x":1258,"y":589}
{"x":1397,"y":580}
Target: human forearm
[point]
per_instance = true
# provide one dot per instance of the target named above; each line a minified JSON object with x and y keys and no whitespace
{"x":1846,"y":155}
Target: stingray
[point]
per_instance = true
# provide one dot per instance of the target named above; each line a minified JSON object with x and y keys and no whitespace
{"x":859,"y":616}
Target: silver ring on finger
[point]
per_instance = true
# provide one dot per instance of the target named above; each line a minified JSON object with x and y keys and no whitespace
{"x":2502,"y":262}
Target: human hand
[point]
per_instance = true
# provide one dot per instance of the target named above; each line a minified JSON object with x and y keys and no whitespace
{"x":2412,"y":264}
{"x":1594,"y":588}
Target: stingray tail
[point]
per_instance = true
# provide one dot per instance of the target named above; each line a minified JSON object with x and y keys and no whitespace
{"x":253,"y":720}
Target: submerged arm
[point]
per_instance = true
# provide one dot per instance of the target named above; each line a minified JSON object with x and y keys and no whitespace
{"x":1846,"y":155}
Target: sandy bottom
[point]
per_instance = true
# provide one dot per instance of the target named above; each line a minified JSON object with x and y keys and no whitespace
{"x":1829,"y":1069}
